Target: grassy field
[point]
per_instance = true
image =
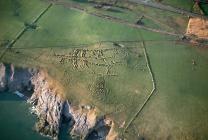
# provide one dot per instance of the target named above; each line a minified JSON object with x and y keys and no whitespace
{"x":179,"y":108}
{"x":14,"y":13}
{"x":113,"y":75}
{"x":74,"y":28}
{"x":77,"y":28}
{"x":182,"y":4}
{"x":154,"y":18}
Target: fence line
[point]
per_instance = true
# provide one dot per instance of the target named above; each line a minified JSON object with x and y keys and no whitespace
{"x":20,"y":34}
{"x":151,"y":93}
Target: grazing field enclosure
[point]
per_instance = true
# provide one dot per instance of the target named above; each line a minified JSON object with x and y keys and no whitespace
{"x":104,"y":75}
{"x":15,"y":13}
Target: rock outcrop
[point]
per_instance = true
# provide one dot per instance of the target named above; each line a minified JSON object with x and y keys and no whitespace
{"x":47,"y":105}
{"x":3,"y":81}
{"x":84,"y":122}
{"x":87,"y":125}
{"x":51,"y":108}
{"x":103,"y":130}
{"x":19,"y":79}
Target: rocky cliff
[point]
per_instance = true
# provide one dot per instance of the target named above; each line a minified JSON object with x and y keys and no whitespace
{"x":15,"y":80}
{"x":51,"y":108}
{"x":3,"y":81}
{"x":47,"y":105}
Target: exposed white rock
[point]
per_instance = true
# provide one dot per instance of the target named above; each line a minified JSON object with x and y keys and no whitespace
{"x":48,"y":106}
{"x":84,"y":122}
{"x":19,"y":79}
{"x":3,"y":81}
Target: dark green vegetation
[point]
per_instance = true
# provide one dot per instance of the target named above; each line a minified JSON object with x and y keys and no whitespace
{"x":101,"y":62}
{"x":182,"y":4}
{"x":187,"y":4}
{"x":204,"y":7}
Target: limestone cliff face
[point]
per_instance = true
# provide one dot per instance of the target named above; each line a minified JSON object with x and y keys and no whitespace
{"x":51,"y":108}
{"x":103,"y":130}
{"x":18,"y":79}
{"x":48,"y":105}
{"x":87,"y":125}
{"x":3,"y":81}
{"x":84,"y":122}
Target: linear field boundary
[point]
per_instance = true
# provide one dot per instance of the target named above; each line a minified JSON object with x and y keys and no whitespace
{"x":20,"y":34}
{"x":114,"y":19}
{"x":152,"y":91}
{"x":85,"y":45}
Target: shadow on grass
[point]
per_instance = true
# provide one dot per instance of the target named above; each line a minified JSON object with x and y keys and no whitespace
{"x":110,"y":9}
{"x":115,"y":10}
{"x":81,"y":1}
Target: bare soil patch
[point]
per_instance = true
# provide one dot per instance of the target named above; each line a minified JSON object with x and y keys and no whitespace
{"x":198,"y":27}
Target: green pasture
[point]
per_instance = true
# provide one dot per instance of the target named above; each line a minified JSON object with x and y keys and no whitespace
{"x":178,"y":110}
{"x":77,"y":28}
{"x":154,"y":18}
{"x":13,"y":15}
{"x":163,"y":20}
{"x":74,"y":27}
{"x":111,"y":11}
{"x":182,"y":4}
